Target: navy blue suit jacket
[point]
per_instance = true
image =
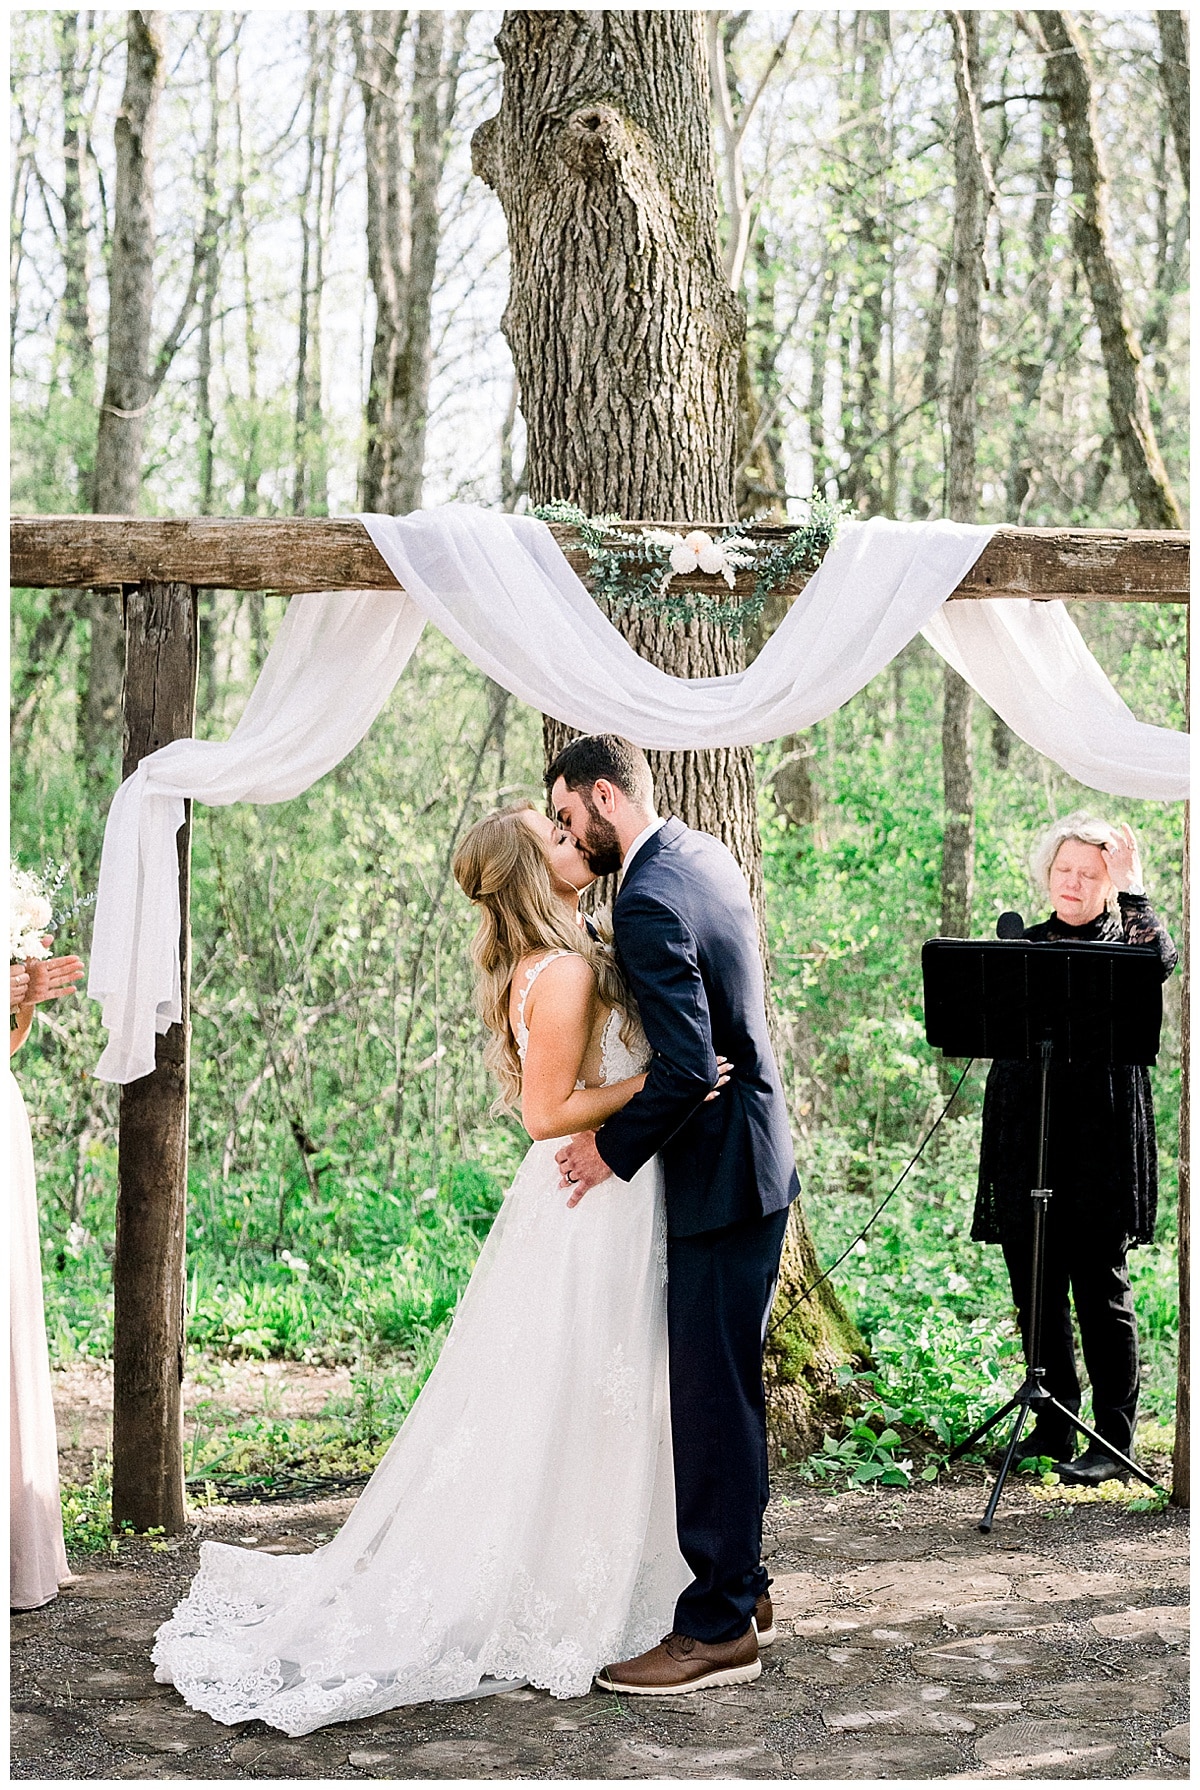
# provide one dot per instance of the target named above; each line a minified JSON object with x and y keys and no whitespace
{"x":686,"y":938}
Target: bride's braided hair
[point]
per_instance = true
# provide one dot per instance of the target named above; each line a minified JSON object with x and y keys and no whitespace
{"x":502,"y":868}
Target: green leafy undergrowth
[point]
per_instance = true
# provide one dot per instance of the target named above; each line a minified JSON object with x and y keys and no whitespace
{"x":865,"y":1455}
{"x":87,"y":1510}
{"x":345,"y":1443}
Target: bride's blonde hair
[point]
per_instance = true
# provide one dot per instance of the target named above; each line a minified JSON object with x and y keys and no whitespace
{"x":502,"y":867}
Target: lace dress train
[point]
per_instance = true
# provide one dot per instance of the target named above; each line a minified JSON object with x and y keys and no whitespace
{"x":522,"y":1524}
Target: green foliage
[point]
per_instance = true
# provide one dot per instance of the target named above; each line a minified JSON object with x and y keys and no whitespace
{"x":850,"y":898}
{"x":630,"y":570}
{"x":87,"y":1510}
{"x":865,"y":1456}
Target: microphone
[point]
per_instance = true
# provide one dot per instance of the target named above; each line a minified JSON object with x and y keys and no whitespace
{"x":1010,"y":926}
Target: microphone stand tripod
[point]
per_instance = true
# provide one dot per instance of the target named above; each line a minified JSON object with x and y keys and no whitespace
{"x":1033,"y":1395}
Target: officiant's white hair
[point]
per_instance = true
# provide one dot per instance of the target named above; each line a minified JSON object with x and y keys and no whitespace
{"x":1087,"y":828}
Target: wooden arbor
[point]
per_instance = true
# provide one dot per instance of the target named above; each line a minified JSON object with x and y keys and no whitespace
{"x":156,"y":568}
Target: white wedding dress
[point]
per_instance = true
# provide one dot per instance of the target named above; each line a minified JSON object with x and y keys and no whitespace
{"x":522,"y":1524}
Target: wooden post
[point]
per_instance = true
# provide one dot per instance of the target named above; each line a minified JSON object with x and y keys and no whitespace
{"x":149,"y":1276}
{"x":1181,"y":1466}
{"x":1181,"y":1476}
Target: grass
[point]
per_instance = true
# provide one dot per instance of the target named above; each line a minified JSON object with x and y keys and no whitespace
{"x":934,"y":1308}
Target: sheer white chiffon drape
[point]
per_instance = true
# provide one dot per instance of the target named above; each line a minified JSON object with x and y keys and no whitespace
{"x":501,"y":589}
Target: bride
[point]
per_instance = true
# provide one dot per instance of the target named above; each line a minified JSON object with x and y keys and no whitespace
{"x":521,"y":1528}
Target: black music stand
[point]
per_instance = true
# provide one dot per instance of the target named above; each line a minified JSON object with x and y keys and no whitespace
{"x":1085,"y":1003}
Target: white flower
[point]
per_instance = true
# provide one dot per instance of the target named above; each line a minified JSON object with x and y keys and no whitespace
{"x":698,"y":552}
{"x":29,"y":915}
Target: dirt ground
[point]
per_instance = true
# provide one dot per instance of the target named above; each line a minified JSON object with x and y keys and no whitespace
{"x":215,"y":1393}
{"x":910,"y":1646}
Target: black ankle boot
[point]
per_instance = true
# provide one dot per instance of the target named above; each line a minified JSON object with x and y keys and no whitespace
{"x":1092,"y":1468}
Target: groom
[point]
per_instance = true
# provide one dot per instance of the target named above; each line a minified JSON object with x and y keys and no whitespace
{"x":686,"y":937}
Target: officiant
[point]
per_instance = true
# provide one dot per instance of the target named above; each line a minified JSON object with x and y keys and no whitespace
{"x":1102,"y":1162}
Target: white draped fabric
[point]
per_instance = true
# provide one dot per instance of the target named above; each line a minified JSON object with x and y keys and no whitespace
{"x":501,"y":589}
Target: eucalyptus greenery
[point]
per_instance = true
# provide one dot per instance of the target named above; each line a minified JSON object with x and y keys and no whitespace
{"x":632,"y":571}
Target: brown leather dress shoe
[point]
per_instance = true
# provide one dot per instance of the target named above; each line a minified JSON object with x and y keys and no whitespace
{"x":680,"y":1663}
{"x":764,"y":1620}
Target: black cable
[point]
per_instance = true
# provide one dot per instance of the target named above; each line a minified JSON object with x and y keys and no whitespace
{"x":808,"y":1291}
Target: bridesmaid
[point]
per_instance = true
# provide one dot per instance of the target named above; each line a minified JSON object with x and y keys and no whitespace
{"x":38,"y":1556}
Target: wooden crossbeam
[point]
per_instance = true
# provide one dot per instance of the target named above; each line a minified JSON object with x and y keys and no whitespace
{"x":288,"y":554}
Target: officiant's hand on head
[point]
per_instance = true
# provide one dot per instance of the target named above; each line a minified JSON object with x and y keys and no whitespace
{"x":1121,"y":856}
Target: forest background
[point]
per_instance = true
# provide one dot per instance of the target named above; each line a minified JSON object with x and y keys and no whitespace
{"x":324,"y":318}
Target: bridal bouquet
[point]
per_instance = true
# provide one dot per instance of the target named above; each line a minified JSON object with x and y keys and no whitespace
{"x":31,"y":912}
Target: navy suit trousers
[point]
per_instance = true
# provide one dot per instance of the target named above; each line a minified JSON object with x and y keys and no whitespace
{"x":719,"y":1286}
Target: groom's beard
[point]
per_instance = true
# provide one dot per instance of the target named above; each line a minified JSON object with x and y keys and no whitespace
{"x":601,"y":846}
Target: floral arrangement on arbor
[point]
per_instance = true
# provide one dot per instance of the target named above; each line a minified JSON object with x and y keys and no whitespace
{"x":638,"y":569}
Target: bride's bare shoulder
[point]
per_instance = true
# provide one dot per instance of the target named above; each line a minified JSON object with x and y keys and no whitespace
{"x":543,"y":978}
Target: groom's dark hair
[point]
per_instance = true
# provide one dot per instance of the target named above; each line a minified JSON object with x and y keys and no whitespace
{"x":605,"y":755}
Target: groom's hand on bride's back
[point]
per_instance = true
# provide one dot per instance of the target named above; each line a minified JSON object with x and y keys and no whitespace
{"x":580,"y":1162}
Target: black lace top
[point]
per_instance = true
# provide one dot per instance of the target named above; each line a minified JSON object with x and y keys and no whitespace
{"x":1103,"y":1166}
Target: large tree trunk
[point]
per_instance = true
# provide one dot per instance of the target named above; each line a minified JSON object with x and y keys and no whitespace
{"x":1068,"y":82}
{"x":625,"y":337}
{"x":402,"y":237}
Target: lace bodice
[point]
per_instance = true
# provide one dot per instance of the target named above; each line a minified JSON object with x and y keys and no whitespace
{"x":618,"y":1060}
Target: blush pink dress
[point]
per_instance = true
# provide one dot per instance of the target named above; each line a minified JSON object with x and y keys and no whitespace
{"x":38,"y":1557}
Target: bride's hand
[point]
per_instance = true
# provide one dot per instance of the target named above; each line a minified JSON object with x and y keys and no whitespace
{"x":724,"y":1071}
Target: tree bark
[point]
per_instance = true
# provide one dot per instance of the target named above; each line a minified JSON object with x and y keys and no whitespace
{"x":251,"y":471}
{"x":128,"y":390}
{"x":1069,"y":83}
{"x":127,"y":385}
{"x":863,"y":420}
{"x":822,"y":465}
{"x":970,"y":186}
{"x":75,"y":330}
{"x":210,"y":230}
{"x":308,"y":485}
{"x":402,"y":237}
{"x":1038,"y":347}
{"x":149,"y":1278}
{"x":625,"y":337}
{"x":1174,"y":74}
